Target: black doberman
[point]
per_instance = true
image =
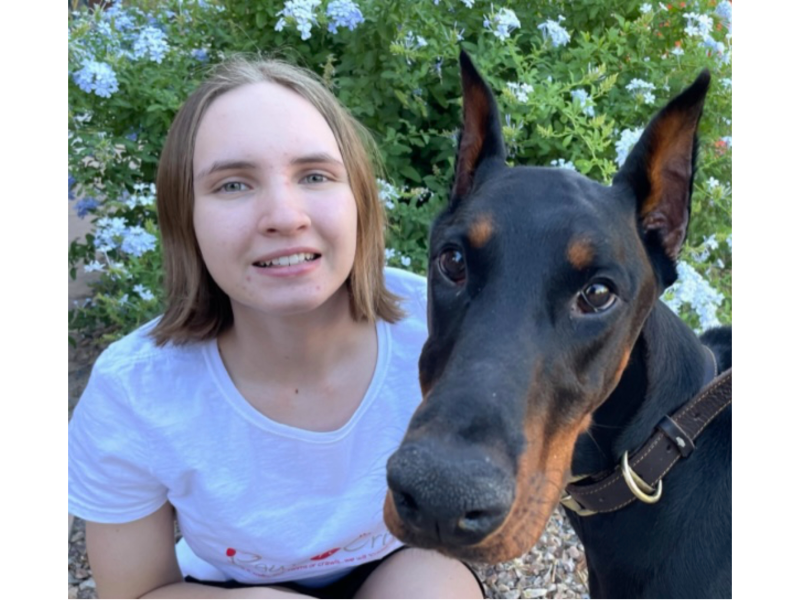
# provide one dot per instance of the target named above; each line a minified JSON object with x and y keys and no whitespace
{"x":550,"y":356}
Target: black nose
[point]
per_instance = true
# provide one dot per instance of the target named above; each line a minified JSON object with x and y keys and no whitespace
{"x":452,"y":496}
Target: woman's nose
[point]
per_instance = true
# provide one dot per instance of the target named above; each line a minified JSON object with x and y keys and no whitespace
{"x":282,"y":210}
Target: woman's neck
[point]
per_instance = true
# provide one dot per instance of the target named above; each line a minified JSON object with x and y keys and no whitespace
{"x":291,"y":348}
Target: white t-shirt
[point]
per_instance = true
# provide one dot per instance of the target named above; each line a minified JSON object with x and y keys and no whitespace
{"x":257,"y":501}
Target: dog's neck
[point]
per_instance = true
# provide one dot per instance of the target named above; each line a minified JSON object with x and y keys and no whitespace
{"x":666,"y":369}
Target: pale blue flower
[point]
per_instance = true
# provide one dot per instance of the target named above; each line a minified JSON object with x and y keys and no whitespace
{"x":200,"y":54}
{"x":520,"y":91}
{"x":143,"y":292}
{"x":389,"y":254}
{"x":627,"y":140}
{"x":728,"y":140}
{"x":86,"y":205}
{"x":563,"y":164}
{"x":712,"y":183}
{"x":413,"y":41}
{"x":108,"y":233}
{"x":639,"y":86}
{"x":302,"y":12}
{"x":468,"y":3}
{"x":405,"y":261}
{"x":72,"y":180}
{"x":711,"y":242}
{"x":119,"y":17}
{"x":387,"y":193}
{"x":151,"y":43}
{"x":93,"y":267}
{"x":646,"y":8}
{"x":698,"y":25}
{"x":343,"y":13}
{"x":137,"y":241}
{"x":502,"y":23}
{"x":553,"y":31}
{"x":144,"y":195}
{"x":726,"y":82}
{"x":714,"y":45}
{"x":725,"y":11}
{"x":692,"y":289}
{"x":677,"y":51}
{"x":96,"y":77}
{"x":437,"y":66}
{"x":582,"y":96}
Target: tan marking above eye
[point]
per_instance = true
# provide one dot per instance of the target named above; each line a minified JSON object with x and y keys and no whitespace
{"x":480,"y":231}
{"x":580,"y":253}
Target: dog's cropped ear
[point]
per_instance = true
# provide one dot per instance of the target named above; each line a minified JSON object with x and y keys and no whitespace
{"x":660,"y":170}
{"x":482,"y":135}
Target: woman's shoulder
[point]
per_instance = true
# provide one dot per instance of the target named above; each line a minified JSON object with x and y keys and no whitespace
{"x":138,"y":349}
{"x":407,"y":285}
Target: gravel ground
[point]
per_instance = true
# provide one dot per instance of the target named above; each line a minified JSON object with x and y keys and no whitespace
{"x":555,"y":568}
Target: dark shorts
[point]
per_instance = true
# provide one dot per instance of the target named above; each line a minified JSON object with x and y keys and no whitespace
{"x":346,"y":587}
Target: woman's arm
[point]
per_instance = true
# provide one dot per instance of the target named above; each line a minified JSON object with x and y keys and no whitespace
{"x":137,"y":560}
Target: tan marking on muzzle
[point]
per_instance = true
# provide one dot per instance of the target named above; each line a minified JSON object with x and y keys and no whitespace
{"x":626,"y":356}
{"x":541,"y":476}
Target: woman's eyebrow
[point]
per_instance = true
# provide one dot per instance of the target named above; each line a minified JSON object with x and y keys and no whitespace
{"x":317,"y":157}
{"x":225,"y":165}
{"x":229,"y":165}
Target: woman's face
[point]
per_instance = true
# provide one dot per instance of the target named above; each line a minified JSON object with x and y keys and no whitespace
{"x":274,"y":214}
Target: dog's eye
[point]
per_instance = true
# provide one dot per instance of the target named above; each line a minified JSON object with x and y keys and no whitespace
{"x":596,"y":297}
{"x":451,"y":264}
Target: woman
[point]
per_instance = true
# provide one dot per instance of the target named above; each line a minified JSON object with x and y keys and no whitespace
{"x":261,"y":407}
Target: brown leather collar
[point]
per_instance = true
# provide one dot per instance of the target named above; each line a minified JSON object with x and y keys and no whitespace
{"x":673,"y":439}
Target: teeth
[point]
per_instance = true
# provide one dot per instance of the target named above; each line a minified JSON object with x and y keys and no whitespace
{"x":286,"y":261}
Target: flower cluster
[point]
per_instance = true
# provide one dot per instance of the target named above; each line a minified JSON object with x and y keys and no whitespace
{"x":96,"y":77}
{"x":553,"y":31}
{"x":387,"y":193}
{"x":144,"y":195}
{"x":585,"y":101}
{"x":343,"y":13}
{"x":114,"y":233}
{"x":643,"y":88}
{"x":692,"y":289}
{"x":563,"y":164}
{"x":150,"y":43}
{"x":302,"y":13}
{"x":627,"y":140}
{"x":502,"y":23}
{"x":520,"y":91}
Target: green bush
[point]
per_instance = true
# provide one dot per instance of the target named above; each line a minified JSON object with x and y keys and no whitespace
{"x":576,"y":81}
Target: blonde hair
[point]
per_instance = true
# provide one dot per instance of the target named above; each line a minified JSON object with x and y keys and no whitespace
{"x":197,"y":309}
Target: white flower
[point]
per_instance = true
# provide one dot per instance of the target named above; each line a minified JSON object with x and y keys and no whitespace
{"x":563,"y":164}
{"x":405,"y":261}
{"x":555,"y":32}
{"x":143,"y":292}
{"x":94,"y":266}
{"x":692,"y":289}
{"x":520,"y":91}
{"x":502,"y":23}
{"x":627,"y":140}
{"x":646,"y":8}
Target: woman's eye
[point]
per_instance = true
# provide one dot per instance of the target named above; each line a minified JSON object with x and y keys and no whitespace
{"x":315,"y":178}
{"x":233,"y":186}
